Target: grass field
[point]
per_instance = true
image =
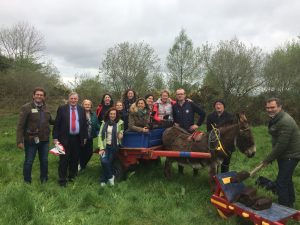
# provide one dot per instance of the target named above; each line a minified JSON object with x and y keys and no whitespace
{"x":146,"y":197}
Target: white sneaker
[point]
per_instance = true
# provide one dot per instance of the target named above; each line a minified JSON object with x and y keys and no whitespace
{"x":102,"y":184}
{"x":111,"y":181}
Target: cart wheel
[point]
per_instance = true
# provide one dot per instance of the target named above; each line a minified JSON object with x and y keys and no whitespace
{"x":222,"y":214}
{"x":119,"y":170}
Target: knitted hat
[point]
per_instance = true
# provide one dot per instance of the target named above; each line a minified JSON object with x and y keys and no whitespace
{"x":220,"y":101}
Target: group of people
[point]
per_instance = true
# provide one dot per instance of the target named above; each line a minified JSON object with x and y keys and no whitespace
{"x":76,"y":125}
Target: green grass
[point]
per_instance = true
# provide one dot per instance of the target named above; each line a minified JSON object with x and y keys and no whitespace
{"x":146,"y":197}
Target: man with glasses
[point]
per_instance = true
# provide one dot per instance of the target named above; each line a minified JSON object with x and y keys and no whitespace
{"x":184,"y":112}
{"x":184,"y":115}
{"x":33,"y":134}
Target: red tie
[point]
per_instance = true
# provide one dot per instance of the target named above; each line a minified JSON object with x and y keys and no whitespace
{"x":73,"y":125}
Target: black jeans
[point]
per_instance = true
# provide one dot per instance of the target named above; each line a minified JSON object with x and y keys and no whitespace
{"x":69,"y":161}
{"x":86,"y":153}
{"x":284,"y":182}
{"x":225,"y":164}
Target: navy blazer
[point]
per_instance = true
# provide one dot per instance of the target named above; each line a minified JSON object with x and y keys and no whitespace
{"x":61,"y":129}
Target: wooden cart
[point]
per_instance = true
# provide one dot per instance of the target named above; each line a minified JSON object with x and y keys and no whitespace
{"x":129,"y":157}
{"x":145,"y":146}
{"x":225,"y":193}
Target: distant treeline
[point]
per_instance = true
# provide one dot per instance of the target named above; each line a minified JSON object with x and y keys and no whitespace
{"x":244,"y":76}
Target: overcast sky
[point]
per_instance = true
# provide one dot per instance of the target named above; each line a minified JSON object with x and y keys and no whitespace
{"x":78,"y":33}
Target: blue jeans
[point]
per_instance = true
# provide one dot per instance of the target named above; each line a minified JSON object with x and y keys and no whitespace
{"x":284,"y":182}
{"x":106,"y":162}
{"x":30,"y":152}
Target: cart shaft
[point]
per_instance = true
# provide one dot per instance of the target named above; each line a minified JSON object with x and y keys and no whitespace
{"x":181,"y":154}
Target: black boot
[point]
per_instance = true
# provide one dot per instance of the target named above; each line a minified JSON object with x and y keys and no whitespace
{"x":195,"y":172}
{"x":180,"y":169}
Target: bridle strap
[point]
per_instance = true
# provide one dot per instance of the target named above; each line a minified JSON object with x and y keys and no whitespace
{"x":220,"y":146}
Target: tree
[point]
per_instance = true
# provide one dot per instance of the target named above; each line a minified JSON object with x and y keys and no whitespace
{"x":157,"y":83}
{"x":89,"y":88}
{"x":282,"y":76}
{"x":21,"y":76}
{"x":129,"y":66}
{"x":232,"y":69}
{"x":21,"y":71}
{"x":5,"y":63}
{"x":183,"y":63}
{"x":282,"y":69}
{"x":21,"y":41}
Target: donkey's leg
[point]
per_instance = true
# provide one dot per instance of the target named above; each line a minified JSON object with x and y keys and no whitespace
{"x":180,"y":169}
{"x":195,"y":172}
{"x":167,"y":168}
{"x":212,"y":171}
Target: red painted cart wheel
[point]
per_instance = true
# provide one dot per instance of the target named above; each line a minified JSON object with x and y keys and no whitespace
{"x":223,"y":214}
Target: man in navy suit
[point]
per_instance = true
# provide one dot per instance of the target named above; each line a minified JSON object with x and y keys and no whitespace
{"x":70,"y":130}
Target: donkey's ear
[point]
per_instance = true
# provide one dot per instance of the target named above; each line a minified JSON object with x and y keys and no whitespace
{"x":242,"y":117}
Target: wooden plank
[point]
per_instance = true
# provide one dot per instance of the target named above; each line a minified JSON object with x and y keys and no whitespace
{"x":275,"y":213}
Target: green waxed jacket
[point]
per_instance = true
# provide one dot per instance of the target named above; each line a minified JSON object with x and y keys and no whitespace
{"x":285,"y":138}
{"x":102,"y":143}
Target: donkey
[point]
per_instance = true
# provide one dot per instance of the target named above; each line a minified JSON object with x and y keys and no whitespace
{"x":239,"y":133}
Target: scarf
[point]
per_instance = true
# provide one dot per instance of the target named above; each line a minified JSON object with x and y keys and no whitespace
{"x":40,"y":108}
{"x":114,"y":140}
{"x":141,"y":112}
{"x":128,"y":103}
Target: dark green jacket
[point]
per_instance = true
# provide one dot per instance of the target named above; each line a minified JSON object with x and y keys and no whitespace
{"x":285,"y":138}
{"x":95,"y":125}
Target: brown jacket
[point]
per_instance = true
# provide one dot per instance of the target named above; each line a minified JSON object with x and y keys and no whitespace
{"x":137,"y":122}
{"x":33,"y":123}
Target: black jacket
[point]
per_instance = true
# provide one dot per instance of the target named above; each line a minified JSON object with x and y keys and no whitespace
{"x":61,"y":129}
{"x":214,"y":119}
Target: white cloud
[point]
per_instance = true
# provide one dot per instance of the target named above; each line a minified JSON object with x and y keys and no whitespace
{"x":78,"y":33}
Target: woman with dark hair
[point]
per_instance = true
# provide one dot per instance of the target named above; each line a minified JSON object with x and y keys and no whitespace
{"x":150,"y":101}
{"x":139,"y":117}
{"x":121,"y":110}
{"x":106,"y":103}
{"x":129,"y":97}
{"x":110,"y":136}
